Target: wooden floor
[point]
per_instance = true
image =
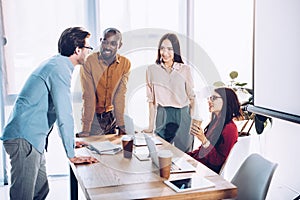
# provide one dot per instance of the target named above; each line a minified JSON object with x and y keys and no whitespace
{"x":59,"y":189}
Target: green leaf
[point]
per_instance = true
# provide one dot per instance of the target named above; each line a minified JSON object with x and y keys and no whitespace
{"x":241,"y":84}
{"x":233,"y":74}
{"x":218,"y":84}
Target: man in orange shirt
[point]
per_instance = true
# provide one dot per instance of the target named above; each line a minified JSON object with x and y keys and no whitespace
{"x":104,"y":78}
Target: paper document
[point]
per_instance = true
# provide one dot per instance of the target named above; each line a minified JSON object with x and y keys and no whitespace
{"x":139,"y":140}
{"x":105,"y":147}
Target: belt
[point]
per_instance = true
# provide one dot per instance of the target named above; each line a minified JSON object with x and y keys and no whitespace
{"x":104,"y":114}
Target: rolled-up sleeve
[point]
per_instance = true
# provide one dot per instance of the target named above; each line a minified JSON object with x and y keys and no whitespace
{"x":88,"y":96}
{"x":119,"y":97}
{"x":149,"y":86}
{"x":190,"y":84}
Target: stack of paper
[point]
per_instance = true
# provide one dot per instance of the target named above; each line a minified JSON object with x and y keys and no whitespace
{"x":139,"y":140}
{"x":105,"y":147}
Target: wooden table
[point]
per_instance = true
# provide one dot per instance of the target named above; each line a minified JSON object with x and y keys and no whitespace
{"x":115,"y":177}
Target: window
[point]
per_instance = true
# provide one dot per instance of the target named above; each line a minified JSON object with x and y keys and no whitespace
{"x":225,"y":30}
{"x":32,"y":29}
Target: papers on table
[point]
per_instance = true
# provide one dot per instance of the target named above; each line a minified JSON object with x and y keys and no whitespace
{"x":105,"y":147}
{"x":139,"y":140}
{"x":142,"y":153}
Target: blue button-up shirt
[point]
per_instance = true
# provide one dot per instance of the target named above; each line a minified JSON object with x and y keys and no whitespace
{"x":44,"y":99}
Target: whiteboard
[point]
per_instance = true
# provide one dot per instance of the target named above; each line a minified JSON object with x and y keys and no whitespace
{"x":276,"y":56}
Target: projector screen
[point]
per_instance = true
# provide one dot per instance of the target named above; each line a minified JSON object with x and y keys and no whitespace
{"x":276,"y":59}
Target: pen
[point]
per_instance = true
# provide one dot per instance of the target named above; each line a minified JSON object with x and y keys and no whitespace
{"x":178,"y":168}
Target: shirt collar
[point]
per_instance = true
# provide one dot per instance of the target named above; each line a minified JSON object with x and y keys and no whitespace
{"x":118,"y":58}
{"x":116,"y":61}
{"x":67,"y":60}
{"x":175,"y":66}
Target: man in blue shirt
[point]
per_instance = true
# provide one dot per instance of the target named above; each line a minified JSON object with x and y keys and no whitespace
{"x":44,"y":99}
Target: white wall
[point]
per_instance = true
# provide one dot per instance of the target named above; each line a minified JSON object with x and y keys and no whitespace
{"x":281,"y":145}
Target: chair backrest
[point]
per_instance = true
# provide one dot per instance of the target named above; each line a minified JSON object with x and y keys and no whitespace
{"x":254,"y":177}
{"x":223,"y":168}
{"x":236,"y":157}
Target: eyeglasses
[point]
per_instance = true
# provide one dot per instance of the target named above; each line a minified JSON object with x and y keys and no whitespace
{"x":90,"y":48}
{"x":213,"y":98}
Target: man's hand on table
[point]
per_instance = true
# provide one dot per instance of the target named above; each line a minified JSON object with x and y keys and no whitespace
{"x":83,"y":160}
{"x":149,"y":130}
{"x":79,"y":144}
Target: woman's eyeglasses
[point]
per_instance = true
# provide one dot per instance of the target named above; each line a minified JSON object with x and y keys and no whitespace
{"x":213,"y":98}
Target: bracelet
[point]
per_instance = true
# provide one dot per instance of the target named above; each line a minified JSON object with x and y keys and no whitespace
{"x":206,"y":144}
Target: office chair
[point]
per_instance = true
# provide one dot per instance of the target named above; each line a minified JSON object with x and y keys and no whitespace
{"x":232,"y":155}
{"x":222,"y":170}
{"x":254,"y":177}
{"x":235,"y":158}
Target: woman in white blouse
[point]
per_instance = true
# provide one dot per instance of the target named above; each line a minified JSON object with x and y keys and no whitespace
{"x":170,"y":94}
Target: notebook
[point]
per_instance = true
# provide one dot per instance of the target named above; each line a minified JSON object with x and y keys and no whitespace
{"x":105,"y":147}
{"x":179,"y":165}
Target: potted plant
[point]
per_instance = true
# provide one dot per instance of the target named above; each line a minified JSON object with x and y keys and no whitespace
{"x":259,"y":121}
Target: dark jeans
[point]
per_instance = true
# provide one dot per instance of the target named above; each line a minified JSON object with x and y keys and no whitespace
{"x":173,"y":125}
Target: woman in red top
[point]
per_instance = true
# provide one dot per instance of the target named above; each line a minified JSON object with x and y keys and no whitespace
{"x":221,"y":133}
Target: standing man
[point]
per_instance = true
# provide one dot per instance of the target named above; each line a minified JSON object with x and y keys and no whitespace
{"x":104,"y":78}
{"x":44,"y":99}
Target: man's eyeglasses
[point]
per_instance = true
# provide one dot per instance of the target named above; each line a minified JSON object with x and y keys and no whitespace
{"x":90,"y":48}
{"x":213,"y":98}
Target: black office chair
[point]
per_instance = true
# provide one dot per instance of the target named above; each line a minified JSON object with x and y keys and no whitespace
{"x":254,"y":177}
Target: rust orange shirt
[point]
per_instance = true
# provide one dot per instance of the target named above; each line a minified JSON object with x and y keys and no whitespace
{"x":103,"y":88}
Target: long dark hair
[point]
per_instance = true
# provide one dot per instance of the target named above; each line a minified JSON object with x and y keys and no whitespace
{"x":230,"y":109}
{"x":176,"y":47}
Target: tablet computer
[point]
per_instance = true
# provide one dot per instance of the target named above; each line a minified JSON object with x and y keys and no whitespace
{"x":188,"y":184}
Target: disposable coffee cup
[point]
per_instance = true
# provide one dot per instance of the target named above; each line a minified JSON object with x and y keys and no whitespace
{"x":165,"y":162}
{"x":196,"y":122}
{"x":127,"y":144}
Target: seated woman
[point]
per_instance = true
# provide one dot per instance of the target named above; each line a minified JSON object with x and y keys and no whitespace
{"x":221,"y":133}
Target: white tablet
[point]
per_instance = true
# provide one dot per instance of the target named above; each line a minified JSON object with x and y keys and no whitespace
{"x":188,"y":184}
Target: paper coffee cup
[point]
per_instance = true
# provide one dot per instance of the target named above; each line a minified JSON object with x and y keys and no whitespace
{"x":196,"y":122}
{"x":165,"y":162}
{"x":127,"y":144}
